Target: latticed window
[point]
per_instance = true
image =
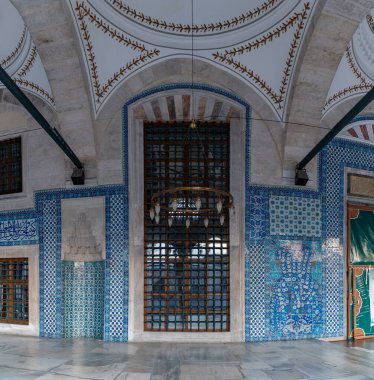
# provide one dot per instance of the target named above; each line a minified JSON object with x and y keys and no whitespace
{"x":10,"y":166}
{"x":186,"y":268}
{"x":14,"y":290}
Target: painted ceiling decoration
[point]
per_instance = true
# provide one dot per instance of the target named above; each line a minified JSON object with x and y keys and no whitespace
{"x":10,"y":58}
{"x":355,"y":74}
{"x":154,"y":17}
{"x":259,"y":45}
{"x":136,"y":52}
{"x":361,"y":130}
{"x":248,"y":58}
{"x":19,"y":55}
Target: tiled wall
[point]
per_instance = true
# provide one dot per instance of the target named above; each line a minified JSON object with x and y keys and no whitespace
{"x":83,"y":291}
{"x":295,"y":216}
{"x":285,"y":279}
{"x":52,"y":306}
{"x":19,"y":228}
{"x":295,"y":252}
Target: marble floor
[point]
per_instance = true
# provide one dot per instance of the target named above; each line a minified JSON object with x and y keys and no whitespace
{"x":47,"y":359}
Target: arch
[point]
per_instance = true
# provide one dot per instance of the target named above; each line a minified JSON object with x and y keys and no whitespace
{"x":178,"y":70}
{"x":164,"y":75}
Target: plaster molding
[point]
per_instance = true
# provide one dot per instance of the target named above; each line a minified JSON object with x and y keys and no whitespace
{"x":81,"y":243}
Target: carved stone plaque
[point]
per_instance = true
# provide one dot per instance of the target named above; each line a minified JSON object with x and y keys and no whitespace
{"x":83,"y":229}
{"x":361,"y":185}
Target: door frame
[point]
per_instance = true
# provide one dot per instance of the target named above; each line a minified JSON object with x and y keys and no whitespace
{"x":350,"y":275}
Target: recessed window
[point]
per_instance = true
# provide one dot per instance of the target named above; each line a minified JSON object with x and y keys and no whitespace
{"x":14,"y":291}
{"x":186,"y":269}
{"x":10,"y":166}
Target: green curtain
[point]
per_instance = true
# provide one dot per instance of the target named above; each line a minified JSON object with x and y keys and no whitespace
{"x":362,"y":238}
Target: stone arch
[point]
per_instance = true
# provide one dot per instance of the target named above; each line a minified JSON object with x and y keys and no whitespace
{"x":178,"y":70}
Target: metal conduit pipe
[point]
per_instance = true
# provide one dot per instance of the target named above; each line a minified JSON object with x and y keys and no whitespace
{"x":29,"y":106}
{"x":301,"y":177}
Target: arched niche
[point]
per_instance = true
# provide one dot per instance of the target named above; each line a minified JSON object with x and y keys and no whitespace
{"x":134,"y":179}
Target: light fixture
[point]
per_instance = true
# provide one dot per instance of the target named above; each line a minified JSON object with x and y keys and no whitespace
{"x":152,"y":213}
{"x":301,"y":177}
{"x":206,"y":222}
{"x":77,"y":176}
{"x":191,"y":203}
{"x":222,"y":219}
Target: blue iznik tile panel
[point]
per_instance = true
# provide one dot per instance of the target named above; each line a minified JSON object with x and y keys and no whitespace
{"x":283,"y":268}
{"x":295,"y":216}
{"x":116,"y":326}
{"x":50,"y":270}
{"x":294,"y":289}
{"x":54,"y":313}
{"x":255,"y":276}
{"x":19,"y":228}
{"x":258,"y":217}
{"x":83,"y":289}
{"x":300,"y":268}
{"x":19,"y":231}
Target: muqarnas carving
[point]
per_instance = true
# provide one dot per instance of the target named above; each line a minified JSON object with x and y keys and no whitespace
{"x":82,"y":245}
{"x":83,"y":229}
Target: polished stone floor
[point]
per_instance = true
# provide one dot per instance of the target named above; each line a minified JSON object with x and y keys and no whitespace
{"x":46,"y":359}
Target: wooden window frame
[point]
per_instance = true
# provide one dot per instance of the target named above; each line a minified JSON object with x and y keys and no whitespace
{"x":9,"y":282}
{"x":13,"y":184}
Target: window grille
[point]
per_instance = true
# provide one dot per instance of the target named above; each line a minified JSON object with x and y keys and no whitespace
{"x":186,"y":271}
{"x":14,"y":291}
{"x":10,"y":166}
